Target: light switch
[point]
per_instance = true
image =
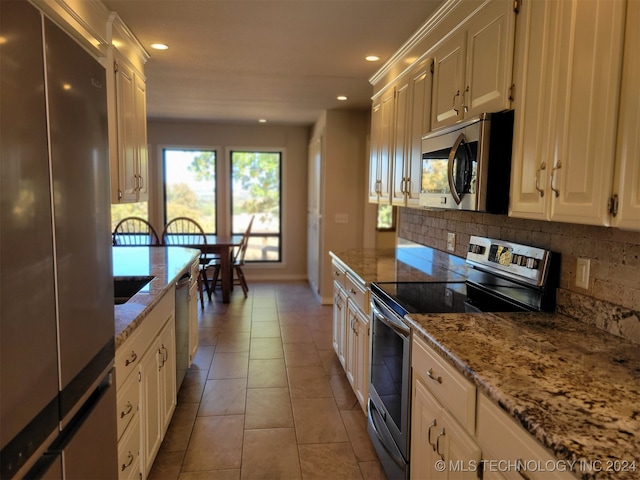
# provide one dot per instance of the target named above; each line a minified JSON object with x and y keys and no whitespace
{"x":341,"y":218}
{"x":582,"y":273}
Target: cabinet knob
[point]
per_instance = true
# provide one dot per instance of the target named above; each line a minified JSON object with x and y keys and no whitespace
{"x":131,"y":359}
{"x":433,"y":377}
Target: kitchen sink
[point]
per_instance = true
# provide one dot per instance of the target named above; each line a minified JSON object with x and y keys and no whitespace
{"x":126,"y":287}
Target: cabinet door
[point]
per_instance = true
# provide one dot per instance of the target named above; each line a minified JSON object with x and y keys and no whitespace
{"x":419,"y":124}
{"x":339,"y":321}
{"x":382,"y":118}
{"x":627,"y":174}
{"x":374,"y":149}
{"x":490,"y":38}
{"x":351,"y":346}
{"x":532,"y":128}
{"x":426,"y":425}
{"x":167,"y":373}
{"x":141,"y":149}
{"x":150,"y":407}
{"x":462,"y":455}
{"x":586,"y":92}
{"x":362,"y":358}
{"x":193,"y":321}
{"x":401,"y":129}
{"x":448,"y":80}
{"x":127,"y":131}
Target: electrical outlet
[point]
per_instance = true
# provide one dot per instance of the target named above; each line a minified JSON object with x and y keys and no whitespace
{"x":582,"y":273}
{"x":341,"y":218}
{"x":451,"y":242}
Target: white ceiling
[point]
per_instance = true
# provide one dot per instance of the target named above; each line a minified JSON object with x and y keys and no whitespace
{"x":282,"y":60}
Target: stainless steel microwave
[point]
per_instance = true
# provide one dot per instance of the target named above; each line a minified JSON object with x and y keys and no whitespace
{"x":468,"y":166}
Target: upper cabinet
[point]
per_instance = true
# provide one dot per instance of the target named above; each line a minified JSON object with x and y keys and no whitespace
{"x":625,"y":201}
{"x":127,"y":115}
{"x":473,"y":65}
{"x":382,"y":129}
{"x":399,"y":118}
{"x":568,"y":69}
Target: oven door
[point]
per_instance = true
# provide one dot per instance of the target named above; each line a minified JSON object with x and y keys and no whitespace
{"x":389,"y":388}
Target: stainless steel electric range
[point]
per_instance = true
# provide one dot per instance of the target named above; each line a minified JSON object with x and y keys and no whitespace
{"x":502,"y":276}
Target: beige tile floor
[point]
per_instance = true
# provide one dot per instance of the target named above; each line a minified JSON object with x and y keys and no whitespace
{"x":266,"y":396}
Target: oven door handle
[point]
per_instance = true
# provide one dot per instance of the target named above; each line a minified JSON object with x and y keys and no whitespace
{"x":395,"y":325}
{"x":373,"y":414}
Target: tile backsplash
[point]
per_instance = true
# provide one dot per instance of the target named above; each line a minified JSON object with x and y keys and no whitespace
{"x":613,"y":295}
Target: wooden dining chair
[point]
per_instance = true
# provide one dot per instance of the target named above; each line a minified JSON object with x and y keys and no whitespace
{"x":186,"y":232}
{"x":237,"y":262}
{"x":134,"y":231}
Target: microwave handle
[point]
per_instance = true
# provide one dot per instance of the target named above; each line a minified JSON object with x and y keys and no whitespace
{"x":452,"y":156}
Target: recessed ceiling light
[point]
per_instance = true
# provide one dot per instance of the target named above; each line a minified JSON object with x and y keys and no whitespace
{"x":372,"y":58}
{"x":159,"y":46}
{"x":342,"y":98}
{"x":262,"y":120}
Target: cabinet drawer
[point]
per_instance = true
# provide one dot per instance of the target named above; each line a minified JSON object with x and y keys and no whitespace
{"x":128,"y":355}
{"x":501,"y":438}
{"x":129,"y":452}
{"x":128,"y":402}
{"x":339,"y":274}
{"x":357,"y":293}
{"x":453,"y":391}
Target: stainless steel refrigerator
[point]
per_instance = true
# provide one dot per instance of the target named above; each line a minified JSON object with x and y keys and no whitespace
{"x":57,"y":399}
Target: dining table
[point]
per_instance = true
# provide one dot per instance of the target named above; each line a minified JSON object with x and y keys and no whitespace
{"x":221,"y":245}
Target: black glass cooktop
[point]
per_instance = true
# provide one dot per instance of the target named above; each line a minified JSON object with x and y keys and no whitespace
{"x":422,"y":297}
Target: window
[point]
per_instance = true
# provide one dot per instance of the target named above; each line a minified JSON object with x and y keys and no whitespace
{"x":256,"y":190}
{"x":386,"y":218}
{"x":190,"y":186}
{"x":124,"y":210}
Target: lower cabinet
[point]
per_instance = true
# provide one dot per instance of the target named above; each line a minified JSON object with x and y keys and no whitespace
{"x":458,"y":433}
{"x":146,"y":389}
{"x":351,"y":330}
{"x":441,"y":448}
{"x":193,"y":313}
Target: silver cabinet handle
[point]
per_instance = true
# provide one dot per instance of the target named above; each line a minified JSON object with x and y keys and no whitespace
{"x":465,"y":107}
{"x":129,"y":410}
{"x":131,"y":359}
{"x":543,"y":166}
{"x":131,"y":458}
{"x":433,"y":377}
{"x":440,"y":435}
{"x":553,"y":178}
{"x":454,"y":102}
{"x":434,"y":424}
{"x":353,"y":291}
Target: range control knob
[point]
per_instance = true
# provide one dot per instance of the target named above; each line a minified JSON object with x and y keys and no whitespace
{"x":532,"y":263}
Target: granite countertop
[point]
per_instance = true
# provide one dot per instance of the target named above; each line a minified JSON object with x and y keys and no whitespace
{"x":405,"y":263}
{"x":573,"y":386}
{"x":165,"y":264}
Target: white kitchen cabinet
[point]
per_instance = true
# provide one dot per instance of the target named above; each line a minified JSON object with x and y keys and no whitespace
{"x":357,"y":365}
{"x":473,"y":65}
{"x":436,"y":436}
{"x":382,"y":130}
{"x":351,"y":330}
{"x":339,"y":322}
{"x":503,"y":440}
{"x":626,"y":187}
{"x":568,"y":67}
{"x":193,"y":312}
{"x":412,"y":120}
{"x":158,"y":384}
{"x":126,"y":96}
{"x":146,"y":388}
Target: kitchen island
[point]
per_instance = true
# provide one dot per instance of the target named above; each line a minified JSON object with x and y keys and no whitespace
{"x":165,"y":264}
{"x":571,"y":386}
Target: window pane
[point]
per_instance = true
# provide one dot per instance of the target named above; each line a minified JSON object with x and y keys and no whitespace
{"x":124,"y":210}
{"x":256,"y":191}
{"x":190,"y":186}
{"x":386,"y":217}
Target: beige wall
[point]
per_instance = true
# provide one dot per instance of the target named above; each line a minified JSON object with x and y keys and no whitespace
{"x":614,"y":253}
{"x":223,"y":137}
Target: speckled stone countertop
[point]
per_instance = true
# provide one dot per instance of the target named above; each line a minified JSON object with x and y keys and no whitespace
{"x":573,"y":386}
{"x":406,"y":263}
{"x":165,"y":264}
